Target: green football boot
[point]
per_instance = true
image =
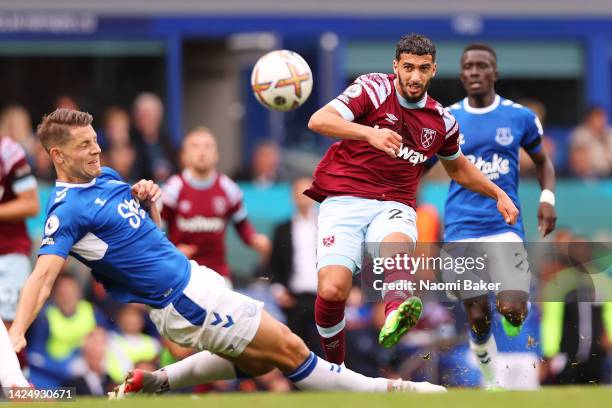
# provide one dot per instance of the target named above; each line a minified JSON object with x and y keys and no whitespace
{"x":509,"y":329}
{"x":400,"y":321}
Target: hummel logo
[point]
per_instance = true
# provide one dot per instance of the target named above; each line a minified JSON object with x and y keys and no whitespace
{"x":391,"y":118}
{"x":100,"y":201}
{"x":60,"y":195}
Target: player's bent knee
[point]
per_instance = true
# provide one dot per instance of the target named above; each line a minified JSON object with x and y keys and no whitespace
{"x":398,"y":237}
{"x":512,"y":304}
{"x":334,"y":283}
{"x":396,"y":243}
{"x":514,"y":311}
{"x":333,"y":292}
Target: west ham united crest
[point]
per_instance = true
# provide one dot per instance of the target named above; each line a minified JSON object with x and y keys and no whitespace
{"x":184,"y":206}
{"x":219,"y":205}
{"x":427,"y":137}
{"x":329,"y":241}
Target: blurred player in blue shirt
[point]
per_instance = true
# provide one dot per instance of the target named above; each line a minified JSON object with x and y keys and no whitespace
{"x":493,"y":130}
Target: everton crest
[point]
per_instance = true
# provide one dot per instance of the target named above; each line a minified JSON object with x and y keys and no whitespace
{"x":504,"y":136}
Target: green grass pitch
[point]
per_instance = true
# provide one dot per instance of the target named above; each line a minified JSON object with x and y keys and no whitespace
{"x":575,"y":397}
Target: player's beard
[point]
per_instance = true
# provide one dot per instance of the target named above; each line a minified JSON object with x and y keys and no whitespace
{"x":412,"y":99}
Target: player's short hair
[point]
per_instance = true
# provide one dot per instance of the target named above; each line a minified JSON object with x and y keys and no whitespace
{"x":198,"y":129}
{"x":415,"y":44}
{"x":54,"y":129}
{"x":481,"y":47}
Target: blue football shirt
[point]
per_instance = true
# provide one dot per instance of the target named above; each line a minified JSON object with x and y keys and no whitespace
{"x":490,"y":138}
{"x":102,"y":225}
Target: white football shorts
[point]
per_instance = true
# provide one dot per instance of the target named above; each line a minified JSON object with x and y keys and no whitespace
{"x":347,"y":223}
{"x":505,"y":260}
{"x":14,"y":271}
{"x":209,"y":316}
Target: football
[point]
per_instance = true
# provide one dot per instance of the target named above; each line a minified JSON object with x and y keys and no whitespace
{"x":281,"y":80}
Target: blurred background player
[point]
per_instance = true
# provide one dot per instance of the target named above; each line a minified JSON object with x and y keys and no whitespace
{"x":493,"y":130}
{"x":368,"y":181}
{"x":199,"y":202}
{"x":18,"y":201}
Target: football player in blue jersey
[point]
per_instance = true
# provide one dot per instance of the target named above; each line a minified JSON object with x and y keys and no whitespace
{"x":107,"y":225}
{"x":493,"y":130}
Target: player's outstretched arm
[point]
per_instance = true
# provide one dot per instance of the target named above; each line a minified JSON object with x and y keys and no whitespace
{"x":467,"y":175}
{"x":328,"y":121}
{"x":33,"y":296}
{"x":547,"y":216}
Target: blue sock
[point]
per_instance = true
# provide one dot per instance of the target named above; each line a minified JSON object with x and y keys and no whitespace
{"x":317,"y":374}
{"x":304,"y":369}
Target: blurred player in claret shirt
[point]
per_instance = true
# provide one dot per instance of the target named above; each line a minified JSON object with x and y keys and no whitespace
{"x":367,"y":183}
{"x":199,"y":202}
{"x":18,"y":200}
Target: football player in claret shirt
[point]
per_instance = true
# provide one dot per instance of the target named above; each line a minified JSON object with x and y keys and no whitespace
{"x":199,"y":202}
{"x":493,"y":131}
{"x":18,"y":200}
{"x":112,"y":228}
{"x":367,"y":183}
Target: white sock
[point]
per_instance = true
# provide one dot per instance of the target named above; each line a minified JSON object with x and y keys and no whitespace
{"x":10,"y":372}
{"x":486,"y":354}
{"x":321,"y":375}
{"x":200,"y":368}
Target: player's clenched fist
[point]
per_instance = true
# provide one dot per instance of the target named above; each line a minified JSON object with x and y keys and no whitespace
{"x":507,"y":208}
{"x":146,"y":191}
{"x":385,"y":139}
